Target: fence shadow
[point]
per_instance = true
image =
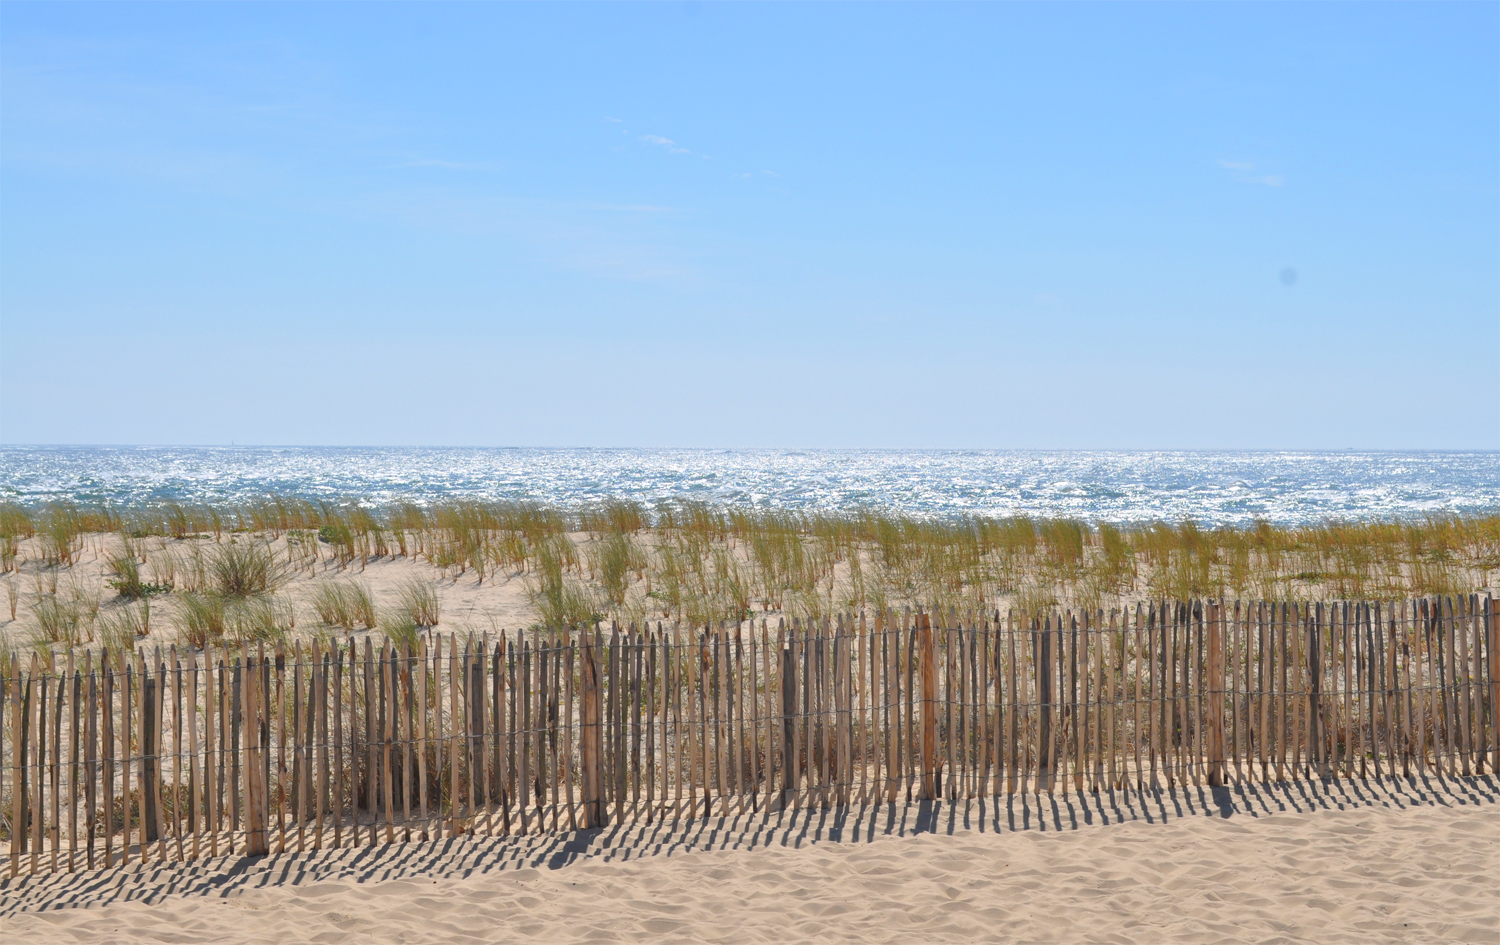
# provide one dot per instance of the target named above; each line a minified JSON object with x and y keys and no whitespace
{"x":460,"y":858}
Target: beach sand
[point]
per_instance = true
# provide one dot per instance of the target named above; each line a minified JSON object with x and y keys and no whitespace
{"x":1306,"y":862}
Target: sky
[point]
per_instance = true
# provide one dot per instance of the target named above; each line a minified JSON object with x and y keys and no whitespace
{"x":1170,"y":226}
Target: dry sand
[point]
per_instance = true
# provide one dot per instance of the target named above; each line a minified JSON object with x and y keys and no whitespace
{"x":1341,"y":862}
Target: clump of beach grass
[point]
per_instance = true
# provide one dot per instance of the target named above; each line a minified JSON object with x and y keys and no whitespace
{"x":347,"y":604}
{"x":416,"y":599}
{"x":207,"y":618}
{"x":119,"y":628}
{"x":612,"y":561}
{"x":200,"y":618}
{"x":559,"y":599}
{"x":58,"y":620}
{"x":125,"y":575}
{"x":620,"y":516}
{"x":62,"y":529}
{"x":229,"y":592}
{"x":16,"y":526}
{"x":265,"y":618}
{"x":244,"y":568}
{"x":416,"y":610}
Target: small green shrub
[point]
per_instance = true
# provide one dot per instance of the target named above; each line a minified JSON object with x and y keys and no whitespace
{"x":126,"y":579}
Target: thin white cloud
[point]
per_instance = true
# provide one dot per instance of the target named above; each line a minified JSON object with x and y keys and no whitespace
{"x":672,"y":146}
{"x":615,"y":120}
{"x":1237,"y":165}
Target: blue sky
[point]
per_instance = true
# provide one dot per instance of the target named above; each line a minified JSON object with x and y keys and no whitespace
{"x":1007,"y":226}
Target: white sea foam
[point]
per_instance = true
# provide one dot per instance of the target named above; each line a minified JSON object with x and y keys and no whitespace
{"x":1210,"y":487}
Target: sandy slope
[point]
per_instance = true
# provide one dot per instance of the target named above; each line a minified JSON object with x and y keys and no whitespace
{"x":1309,"y":863}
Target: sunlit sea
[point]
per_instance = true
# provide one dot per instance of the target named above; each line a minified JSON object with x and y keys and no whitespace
{"x":1212,"y":488}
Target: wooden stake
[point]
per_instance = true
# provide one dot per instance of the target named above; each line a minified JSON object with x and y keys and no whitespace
{"x":211,"y":764}
{"x":336,"y":665}
{"x":928,"y":669}
{"x":91,"y":761}
{"x":257,"y":799}
{"x":318,"y":731}
{"x":18,"y":716}
{"x":571,"y":655}
{"x":422,"y":709}
{"x":235,"y":717}
{"x":277,"y":667}
{"x":177,"y":729}
{"x":126,"y":668}
{"x":593,"y":804}
{"x":1492,"y":652}
{"x":389,"y":703}
{"x":455,"y":808}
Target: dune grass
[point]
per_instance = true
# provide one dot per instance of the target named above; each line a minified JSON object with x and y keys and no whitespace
{"x":416,"y":610}
{"x":698,"y":562}
{"x":244,"y":568}
{"x":347,"y":604}
{"x":119,"y":628}
{"x":199,"y":618}
{"x":417,"y":601}
{"x":58,"y":619}
{"x":124,"y":568}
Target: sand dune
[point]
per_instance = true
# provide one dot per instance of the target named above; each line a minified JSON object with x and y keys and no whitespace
{"x":1348,"y":861}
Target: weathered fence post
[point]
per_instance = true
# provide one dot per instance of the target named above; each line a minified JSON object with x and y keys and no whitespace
{"x":1492,"y":653}
{"x":589,"y":743}
{"x":478,"y":766}
{"x":257,"y":797}
{"x":1215,"y":694}
{"x":1041,"y":632}
{"x":788,"y":724}
{"x":928,"y":667}
{"x":19,"y":713}
{"x":5,"y":691}
{"x":150,"y":762}
{"x":1317,"y":726}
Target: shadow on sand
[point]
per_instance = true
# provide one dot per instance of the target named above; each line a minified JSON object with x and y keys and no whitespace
{"x":463,"y":857}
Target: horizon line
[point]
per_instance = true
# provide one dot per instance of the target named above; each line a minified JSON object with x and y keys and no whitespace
{"x":828,"y":449}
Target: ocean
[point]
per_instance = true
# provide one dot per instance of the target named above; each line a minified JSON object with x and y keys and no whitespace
{"x":1212,"y":488}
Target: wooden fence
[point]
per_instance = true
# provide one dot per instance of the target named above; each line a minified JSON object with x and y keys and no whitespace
{"x":138,"y":757}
